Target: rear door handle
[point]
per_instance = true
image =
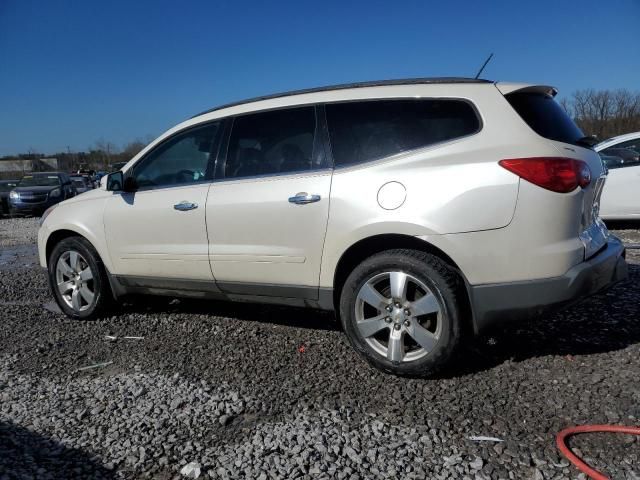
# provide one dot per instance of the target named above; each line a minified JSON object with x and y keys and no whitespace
{"x":183,"y":206}
{"x":302,"y":198}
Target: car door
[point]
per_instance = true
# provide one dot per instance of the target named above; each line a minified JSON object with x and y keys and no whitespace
{"x":621,"y":194}
{"x":267,"y":210}
{"x":159,"y":230}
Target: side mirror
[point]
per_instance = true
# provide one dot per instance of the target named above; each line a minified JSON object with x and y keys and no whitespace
{"x":115,"y":182}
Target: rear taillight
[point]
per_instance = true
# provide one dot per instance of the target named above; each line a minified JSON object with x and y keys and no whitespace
{"x":558,"y":174}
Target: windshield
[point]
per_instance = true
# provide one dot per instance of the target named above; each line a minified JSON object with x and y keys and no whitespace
{"x":39,"y":181}
{"x":6,"y":186}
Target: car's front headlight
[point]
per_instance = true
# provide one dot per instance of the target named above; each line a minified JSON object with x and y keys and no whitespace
{"x":14,"y":195}
{"x":46,"y":213}
{"x":54,"y":193}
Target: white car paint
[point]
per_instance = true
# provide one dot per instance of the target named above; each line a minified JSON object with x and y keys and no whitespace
{"x":493,"y":225}
{"x":621,"y":195}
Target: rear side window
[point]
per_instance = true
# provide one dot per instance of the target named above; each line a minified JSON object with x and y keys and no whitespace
{"x":273,"y":143}
{"x":370,"y":130}
{"x":545,"y":116}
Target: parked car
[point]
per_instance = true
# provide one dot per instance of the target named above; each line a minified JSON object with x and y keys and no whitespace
{"x":82,"y":183}
{"x":621,"y":195}
{"x":38,"y":191}
{"x":419,"y":210}
{"x":5,"y":187}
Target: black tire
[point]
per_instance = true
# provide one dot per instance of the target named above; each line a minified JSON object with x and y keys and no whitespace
{"x":442,"y":281}
{"x":102,"y":298}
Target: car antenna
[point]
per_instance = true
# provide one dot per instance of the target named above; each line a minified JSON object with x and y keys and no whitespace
{"x":483,"y":65}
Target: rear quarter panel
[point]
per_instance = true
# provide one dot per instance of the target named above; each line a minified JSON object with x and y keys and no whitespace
{"x":451,"y":188}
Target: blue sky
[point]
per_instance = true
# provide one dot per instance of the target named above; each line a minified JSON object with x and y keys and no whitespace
{"x":75,"y":72}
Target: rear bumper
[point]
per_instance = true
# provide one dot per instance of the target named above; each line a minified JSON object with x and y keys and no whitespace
{"x":500,"y":302}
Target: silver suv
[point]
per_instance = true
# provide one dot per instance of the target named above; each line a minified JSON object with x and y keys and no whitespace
{"x":418,"y":210}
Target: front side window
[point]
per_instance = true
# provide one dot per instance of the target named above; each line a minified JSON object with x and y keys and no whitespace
{"x":370,"y":130}
{"x":183,"y":159}
{"x":272,"y":143}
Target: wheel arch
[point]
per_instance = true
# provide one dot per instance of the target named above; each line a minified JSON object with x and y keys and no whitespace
{"x":66,"y":231}
{"x":366,"y":247}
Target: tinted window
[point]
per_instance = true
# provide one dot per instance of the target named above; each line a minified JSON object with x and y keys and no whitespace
{"x":545,"y":116}
{"x":272,"y":143}
{"x":362,"y":131}
{"x":182,"y":159}
{"x":39,"y":181}
{"x":625,"y":154}
{"x":631,"y":145}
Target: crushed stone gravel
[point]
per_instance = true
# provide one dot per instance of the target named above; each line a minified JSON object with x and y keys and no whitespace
{"x":221,"y":390}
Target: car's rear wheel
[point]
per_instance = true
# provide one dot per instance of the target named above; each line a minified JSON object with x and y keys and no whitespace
{"x":78,"y":279}
{"x":400,"y":310}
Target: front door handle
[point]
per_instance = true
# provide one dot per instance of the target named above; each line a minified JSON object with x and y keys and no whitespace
{"x":302,"y":198}
{"x":183,"y":206}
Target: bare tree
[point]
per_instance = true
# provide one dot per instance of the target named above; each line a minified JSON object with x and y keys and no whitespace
{"x":605,"y":113}
{"x":106,"y":150}
{"x":131,"y":149}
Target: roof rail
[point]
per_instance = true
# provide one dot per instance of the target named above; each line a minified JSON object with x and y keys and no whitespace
{"x":344,"y":86}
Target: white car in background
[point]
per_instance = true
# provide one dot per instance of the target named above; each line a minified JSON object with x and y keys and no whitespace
{"x":621,"y":194}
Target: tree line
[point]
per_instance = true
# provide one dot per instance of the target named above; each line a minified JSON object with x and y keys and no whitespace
{"x":604,"y":113}
{"x":100,"y":156}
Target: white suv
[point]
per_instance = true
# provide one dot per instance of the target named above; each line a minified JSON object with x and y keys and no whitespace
{"x":418,"y":210}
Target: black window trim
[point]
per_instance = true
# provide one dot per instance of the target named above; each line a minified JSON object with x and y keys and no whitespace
{"x":211,"y":165}
{"x":390,"y":158}
{"x":318,"y":142}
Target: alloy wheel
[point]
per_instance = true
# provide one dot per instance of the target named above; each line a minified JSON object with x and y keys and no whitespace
{"x":74,"y":280}
{"x":398,"y":316}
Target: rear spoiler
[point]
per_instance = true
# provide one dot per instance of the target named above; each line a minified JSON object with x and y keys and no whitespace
{"x":509,"y":87}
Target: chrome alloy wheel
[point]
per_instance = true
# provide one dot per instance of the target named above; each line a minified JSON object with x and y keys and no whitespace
{"x":74,"y":280}
{"x":398,"y":316}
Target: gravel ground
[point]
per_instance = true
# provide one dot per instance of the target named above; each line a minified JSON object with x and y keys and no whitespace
{"x":263,"y":392}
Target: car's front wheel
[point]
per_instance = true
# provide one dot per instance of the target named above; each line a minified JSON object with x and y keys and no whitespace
{"x":400,"y":310}
{"x":78,"y":279}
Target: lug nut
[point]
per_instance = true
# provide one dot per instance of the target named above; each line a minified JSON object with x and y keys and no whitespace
{"x":397,"y":326}
{"x":398,"y":305}
{"x":407,"y":312}
{"x":387,"y":319}
{"x":388,"y":308}
{"x":407,"y":323}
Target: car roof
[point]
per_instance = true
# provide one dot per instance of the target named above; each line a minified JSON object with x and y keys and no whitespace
{"x":346,"y":86}
{"x":610,"y":142}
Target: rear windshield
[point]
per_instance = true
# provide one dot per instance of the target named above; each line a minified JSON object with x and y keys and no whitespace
{"x":546,"y":117}
{"x":39,"y":181}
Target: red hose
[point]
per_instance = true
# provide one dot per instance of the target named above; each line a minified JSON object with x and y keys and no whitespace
{"x":583,"y":467}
